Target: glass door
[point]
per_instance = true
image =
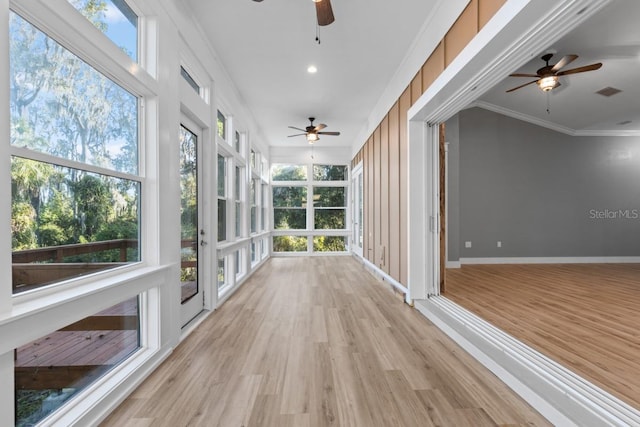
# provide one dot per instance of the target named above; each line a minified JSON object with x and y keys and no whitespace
{"x":358,"y":211}
{"x":193,"y":237}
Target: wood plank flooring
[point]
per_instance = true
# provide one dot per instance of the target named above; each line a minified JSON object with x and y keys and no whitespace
{"x":584,"y":316}
{"x":320,"y":342}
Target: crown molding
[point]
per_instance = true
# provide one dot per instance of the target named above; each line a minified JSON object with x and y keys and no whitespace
{"x":550,"y":125}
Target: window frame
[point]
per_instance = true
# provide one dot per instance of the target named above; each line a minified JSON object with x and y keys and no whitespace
{"x":69,"y":31}
{"x":310,"y":232}
{"x":34,"y":314}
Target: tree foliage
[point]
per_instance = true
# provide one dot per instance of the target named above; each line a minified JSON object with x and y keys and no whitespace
{"x":63,"y":107}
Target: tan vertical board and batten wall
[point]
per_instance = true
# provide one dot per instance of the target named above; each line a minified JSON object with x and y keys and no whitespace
{"x":385,"y":158}
{"x":377,"y":205}
{"x":394,"y":190}
{"x":404,"y":105}
{"x":384,"y":195}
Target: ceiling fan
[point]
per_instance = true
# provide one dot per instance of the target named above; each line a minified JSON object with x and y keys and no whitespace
{"x":324,"y":12}
{"x":547,"y":76}
{"x":312,"y":132}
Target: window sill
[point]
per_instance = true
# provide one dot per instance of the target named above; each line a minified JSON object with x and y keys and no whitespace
{"x":55,"y":308}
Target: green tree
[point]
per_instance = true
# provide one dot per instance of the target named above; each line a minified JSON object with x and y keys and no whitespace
{"x":93,"y":203}
{"x":61,"y":106}
{"x":289,"y":173}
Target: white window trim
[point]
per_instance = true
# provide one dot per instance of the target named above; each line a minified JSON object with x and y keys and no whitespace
{"x":310,"y":231}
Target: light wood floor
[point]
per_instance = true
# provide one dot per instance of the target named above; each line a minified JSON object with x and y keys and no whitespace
{"x":320,"y":342}
{"x":584,"y":316}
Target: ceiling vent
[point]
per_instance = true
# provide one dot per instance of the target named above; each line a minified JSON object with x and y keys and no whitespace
{"x":608,"y":91}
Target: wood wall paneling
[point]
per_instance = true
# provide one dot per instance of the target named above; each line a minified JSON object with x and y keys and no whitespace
{"x":394,"y":192}
{"x":384,"y":194}
{"x":377,"y":183}
{"x":475,"y":16}
{"x":461,"y":33}
{"x":486,"y":10}
{"x":416,"y":87}
{"x":433,"y":67}
{"x":403,"y":106}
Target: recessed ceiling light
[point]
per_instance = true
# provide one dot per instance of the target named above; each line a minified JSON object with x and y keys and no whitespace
{"x":312,"y":69}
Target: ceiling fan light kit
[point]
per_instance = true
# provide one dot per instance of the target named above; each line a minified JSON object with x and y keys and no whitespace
{"x":548,"y":83}
{"x":547,"y":76}
{"x":311,"y":132}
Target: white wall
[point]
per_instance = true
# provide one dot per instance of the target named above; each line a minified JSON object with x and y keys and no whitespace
{"x":169,"y":28}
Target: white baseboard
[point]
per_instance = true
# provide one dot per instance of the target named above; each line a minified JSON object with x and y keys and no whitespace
{"x":552,"y":260}
{"x":453,"y":264}
{"x":384,"y":276}
{"x":561,"y":396}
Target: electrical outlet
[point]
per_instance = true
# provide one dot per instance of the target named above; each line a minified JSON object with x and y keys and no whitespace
{"x":467,"y":244}
{"x":499,"y":244}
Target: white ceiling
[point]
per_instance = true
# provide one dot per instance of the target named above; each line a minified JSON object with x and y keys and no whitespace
{"x":267,"y":46}
{"x":612,"y":36}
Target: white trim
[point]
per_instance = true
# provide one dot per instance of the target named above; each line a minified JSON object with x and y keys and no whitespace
{"x":548,"y":124}
{"x":519,"y":30}
{"x":516,"y":33}
{"x":561,"y":396}
{"x":384,"y":276}
{"x":553,"y":260}
{"x":34,"y":318}
{"x":453,"y":264}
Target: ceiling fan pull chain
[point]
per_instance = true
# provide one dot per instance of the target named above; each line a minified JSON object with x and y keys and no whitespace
{"x":548,"y":103}
{"x":318,"y":33}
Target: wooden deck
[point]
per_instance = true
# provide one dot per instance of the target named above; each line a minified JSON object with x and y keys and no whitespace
{"x":584,"y":316}
{"x":319,"y":342}
{"x":76,"y":355}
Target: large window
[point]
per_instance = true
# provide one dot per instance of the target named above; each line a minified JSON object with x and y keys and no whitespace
{"x":238,"y":184}
{"x":115,"y":19}
{"x":289,"y":208}
{"x":329,"y":208}
{"x":75,"y":186}
{"x":52,"y":369}
{"x":222,"y":198}
{"x":317,"y":205}
{"x":222,"y":125}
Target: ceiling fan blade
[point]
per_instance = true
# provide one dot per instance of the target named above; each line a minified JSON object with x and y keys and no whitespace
{"x":324,"y":12}
{"x":297,"y":134}
{"x":521,"y":86}
{"x":293,"y":127}
{"x":257,"y":0}
{"x":523,"y":75}
{"x":580,"y":69}
{"x":566,"y":60}
{"x":320,"y":127}
{"x":329,"y":133}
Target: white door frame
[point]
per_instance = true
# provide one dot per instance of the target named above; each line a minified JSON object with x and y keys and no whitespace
{"x":195,"y":305}
{"x":520,"y":30}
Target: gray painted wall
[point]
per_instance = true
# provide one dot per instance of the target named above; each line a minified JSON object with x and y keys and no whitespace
{"x":543,"y":193}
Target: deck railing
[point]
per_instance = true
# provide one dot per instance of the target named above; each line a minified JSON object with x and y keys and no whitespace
{"x":34,"y":268}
